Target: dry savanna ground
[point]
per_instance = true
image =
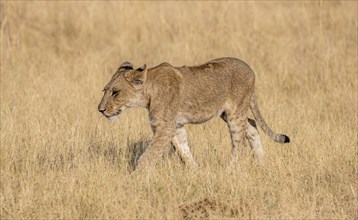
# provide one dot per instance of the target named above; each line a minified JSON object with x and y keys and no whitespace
{"x":61,"y":159}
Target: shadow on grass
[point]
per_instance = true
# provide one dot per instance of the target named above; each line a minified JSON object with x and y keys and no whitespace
{"x":57,"y":161}
{"x":135,"y":150}
{"x":115,"y":155}
{"x":133,"y":153}
{"x":107,"y":151}
{"x":112,"y":154}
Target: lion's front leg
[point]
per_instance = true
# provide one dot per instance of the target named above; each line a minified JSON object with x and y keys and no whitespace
{"x":180,"y":143}
{"x":163,"y":134}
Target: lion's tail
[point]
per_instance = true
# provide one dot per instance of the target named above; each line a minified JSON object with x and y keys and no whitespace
{"x":280,"y":138}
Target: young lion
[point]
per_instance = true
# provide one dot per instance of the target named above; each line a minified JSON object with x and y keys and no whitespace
{"x":175,"y":96}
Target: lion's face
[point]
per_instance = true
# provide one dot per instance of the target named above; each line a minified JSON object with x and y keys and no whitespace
{"x":123,"y":91}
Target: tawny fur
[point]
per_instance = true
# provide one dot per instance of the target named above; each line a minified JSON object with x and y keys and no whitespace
{"x":175,"y":96}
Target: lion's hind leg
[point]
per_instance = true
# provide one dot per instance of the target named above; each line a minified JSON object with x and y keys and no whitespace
{"x":253,"y":136}
{"x":237,"y":123}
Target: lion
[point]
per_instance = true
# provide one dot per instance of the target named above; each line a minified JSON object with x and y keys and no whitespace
{"x":175,"y":96}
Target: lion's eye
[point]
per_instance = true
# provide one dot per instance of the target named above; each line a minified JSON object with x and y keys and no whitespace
{"x":115,"y":93}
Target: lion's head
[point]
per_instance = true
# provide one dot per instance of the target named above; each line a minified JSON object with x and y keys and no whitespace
{"x":123,"y":90}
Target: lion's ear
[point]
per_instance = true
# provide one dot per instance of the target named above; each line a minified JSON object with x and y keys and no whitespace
{"x":142,"y":68}
{"x":125,"y":66}
{"x":137,"y":77}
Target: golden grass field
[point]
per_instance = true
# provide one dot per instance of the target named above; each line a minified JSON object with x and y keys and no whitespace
{"x":61,"y":159}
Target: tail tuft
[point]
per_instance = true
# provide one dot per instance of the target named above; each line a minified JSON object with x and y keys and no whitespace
{"x":286,"y":139}
{"x":281,"y":138}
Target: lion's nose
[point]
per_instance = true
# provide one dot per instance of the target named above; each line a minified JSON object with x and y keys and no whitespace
{"x":101,"y":110}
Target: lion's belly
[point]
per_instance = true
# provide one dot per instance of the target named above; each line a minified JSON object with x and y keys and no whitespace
{"x":196,"y":117}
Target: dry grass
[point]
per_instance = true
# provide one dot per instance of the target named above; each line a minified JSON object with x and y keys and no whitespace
{"x":61,"y":159}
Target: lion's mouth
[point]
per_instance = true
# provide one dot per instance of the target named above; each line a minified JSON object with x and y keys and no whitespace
{"x":113,"y":116}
